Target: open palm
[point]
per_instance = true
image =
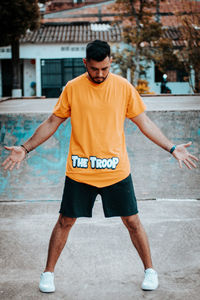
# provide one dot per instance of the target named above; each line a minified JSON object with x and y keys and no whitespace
{"x":182,"y":155}
{"x":17,"y":155}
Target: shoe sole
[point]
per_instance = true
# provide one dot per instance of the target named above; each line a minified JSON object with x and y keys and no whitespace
{"x":149,"y":289}
{"x":47,"y":292}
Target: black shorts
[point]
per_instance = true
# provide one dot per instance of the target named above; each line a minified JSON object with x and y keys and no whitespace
{"x":118,"y":199}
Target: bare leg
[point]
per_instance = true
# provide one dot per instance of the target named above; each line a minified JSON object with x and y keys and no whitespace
{"x":58,"y":240}
{"x":139,"y":239}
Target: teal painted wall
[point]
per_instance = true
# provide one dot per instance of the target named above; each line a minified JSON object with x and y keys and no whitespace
{"x":155,"y":173}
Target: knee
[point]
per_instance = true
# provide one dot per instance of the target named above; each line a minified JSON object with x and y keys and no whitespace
{"x":66,"y":222}
{"x":132,"y":223}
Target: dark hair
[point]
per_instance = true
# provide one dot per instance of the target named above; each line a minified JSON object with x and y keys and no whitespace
{"x":97,"y":50}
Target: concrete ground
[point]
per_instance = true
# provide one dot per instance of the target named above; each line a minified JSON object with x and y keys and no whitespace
{"x":99,"y":262}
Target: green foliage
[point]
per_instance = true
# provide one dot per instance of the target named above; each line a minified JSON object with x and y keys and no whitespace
{"x":123,"y":60}
{"x":164,"y":56}
{"x":145,"y":39}
{"x":138,"y":21}
{"x":189,"y":52}
{"x":140,"y":30}
{"x":16,"y":17}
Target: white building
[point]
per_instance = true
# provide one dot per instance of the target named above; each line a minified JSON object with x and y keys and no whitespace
{"x":53,"y":54}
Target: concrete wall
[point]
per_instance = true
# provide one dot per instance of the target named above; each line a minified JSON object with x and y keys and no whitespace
{"x":155,"y":173}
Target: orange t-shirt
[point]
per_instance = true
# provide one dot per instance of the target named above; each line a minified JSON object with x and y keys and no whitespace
{"x":97,"y":151}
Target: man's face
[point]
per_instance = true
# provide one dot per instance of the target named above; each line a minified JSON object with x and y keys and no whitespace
{"x":97,"y":70}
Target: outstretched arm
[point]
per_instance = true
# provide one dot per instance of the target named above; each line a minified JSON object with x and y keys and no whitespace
{"x":42,"y":133}
{"x":151,"y":131}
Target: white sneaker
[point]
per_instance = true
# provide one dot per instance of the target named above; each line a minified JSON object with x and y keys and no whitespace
{"x":150,"y":282}
{"x":47,"y":282}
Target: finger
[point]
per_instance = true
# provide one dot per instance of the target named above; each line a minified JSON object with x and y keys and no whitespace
{"x":12,"y":166}
{"x":180,"y":164}
{"x":18,"y":165}
{"x":193,"y":157}
{"x":6,"y":161}
{"x":8,"y":148}
{"x":188,"y":144}
{"x":191,"y":162}
{"x":187,"y":164}
{"x":8,"y":165}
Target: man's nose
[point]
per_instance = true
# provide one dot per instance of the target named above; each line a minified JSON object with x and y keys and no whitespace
{"x":100,"y":73}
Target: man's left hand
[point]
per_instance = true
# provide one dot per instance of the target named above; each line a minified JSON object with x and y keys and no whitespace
{"x":182,"y":155}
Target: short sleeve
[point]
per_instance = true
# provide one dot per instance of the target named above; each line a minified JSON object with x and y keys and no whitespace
{"x":62,"y":108}
{"x":135,"y":105}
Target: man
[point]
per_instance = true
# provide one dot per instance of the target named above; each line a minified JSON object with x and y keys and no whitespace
{"x":98,"y":103}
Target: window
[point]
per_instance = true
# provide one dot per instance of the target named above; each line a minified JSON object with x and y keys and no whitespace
{"x":51,"y":73}
{"x":72,"y":67}
{"x":57,"y":72}
{"x":179,"y":75}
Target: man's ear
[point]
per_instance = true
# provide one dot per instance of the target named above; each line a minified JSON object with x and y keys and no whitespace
{"x":111,"y":59}
{"x":84,"y":61}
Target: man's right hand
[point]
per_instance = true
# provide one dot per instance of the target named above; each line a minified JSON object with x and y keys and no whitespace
{"x":17,"y":155}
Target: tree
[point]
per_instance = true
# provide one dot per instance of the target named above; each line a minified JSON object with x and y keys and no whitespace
{"x":16,"y":18}
{"x":140,"y":30}
{"x":189,"y":52}
{"x":164,"y":54}
{"x":147,"y":40}
{"x":185,"y":53}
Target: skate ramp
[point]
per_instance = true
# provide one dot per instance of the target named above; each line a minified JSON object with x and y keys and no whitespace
{"x":155,"y":172}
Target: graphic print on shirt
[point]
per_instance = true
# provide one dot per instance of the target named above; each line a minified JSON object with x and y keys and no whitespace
{"x":79,"y":162}
{"x":95,"y":162}
{"x":103,"y":163}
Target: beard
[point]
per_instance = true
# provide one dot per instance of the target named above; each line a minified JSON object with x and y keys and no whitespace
{"x":97,"y":79}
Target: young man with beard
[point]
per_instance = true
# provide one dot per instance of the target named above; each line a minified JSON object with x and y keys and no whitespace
{"x":98,"y":103}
